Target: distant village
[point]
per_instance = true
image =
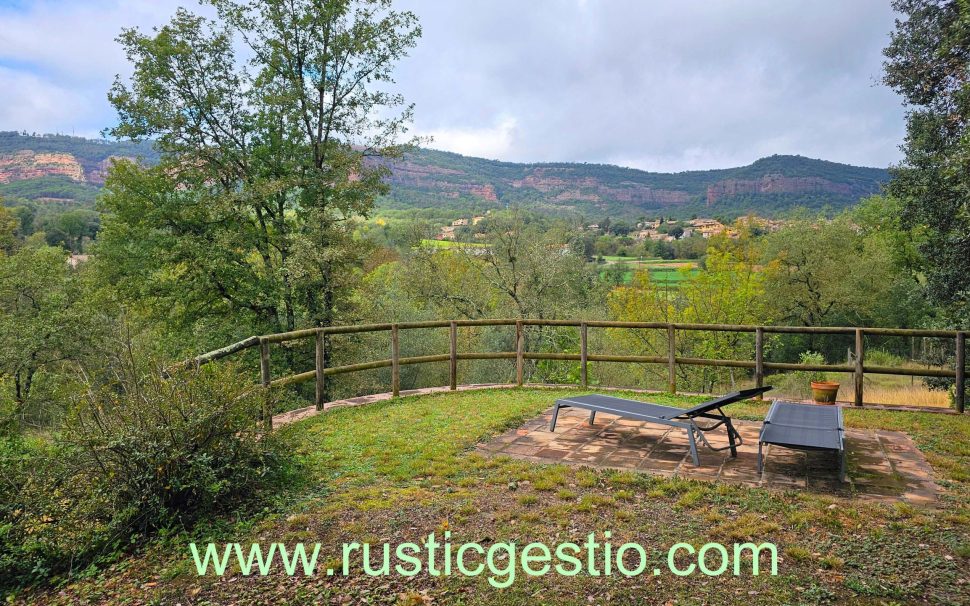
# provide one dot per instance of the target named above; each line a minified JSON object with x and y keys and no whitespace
{"x":672,"y":229}
{"x":658,"y":230}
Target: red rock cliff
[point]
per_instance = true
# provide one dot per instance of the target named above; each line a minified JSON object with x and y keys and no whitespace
{"x":774,"y":184}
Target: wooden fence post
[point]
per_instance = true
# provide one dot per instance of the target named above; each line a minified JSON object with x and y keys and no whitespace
{"x":671,"y":360}
{"x":320,"y":365}
{"x":961,"y":371}
{"x":859,"y":356}
{"x":395,"y":362}
{"x":759,"y":359}
{"x":453,"y":360}
{"x":519,"y":351}
{"x":583,"y":376}
{"x":265,"y":380}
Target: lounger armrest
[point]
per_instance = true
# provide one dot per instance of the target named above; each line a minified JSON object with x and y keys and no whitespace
{"x":731,"y":398}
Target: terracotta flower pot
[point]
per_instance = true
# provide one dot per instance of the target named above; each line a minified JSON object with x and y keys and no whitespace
{"x":824,"y":392}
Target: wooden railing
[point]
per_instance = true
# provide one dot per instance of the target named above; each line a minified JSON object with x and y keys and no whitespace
{"x":671,"y":360}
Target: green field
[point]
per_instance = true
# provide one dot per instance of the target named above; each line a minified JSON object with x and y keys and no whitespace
{"x":663,"y":271}
{"x":450,"y":244}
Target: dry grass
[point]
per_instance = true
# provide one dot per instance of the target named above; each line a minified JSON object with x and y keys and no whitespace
{"x":903,"y":395}
{"x":892,"y":390}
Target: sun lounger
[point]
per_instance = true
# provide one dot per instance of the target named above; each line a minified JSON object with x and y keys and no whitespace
{"x":804,"y":427}
{"x":667,"y":415}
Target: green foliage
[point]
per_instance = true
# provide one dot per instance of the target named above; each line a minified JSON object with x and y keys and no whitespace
{"x":455,"y":172}
{"x":529,"y":269}
{"x":879,"y":357}
{"x":728,"y":291}
{"x":841,"y":272}
{"x":49,"y":317}
{"x":246,"y":224}
{"x":55,"y":186}
{"x":810,"y":376}
{"x":71,"y":229}
{"x":9,"y":226}
{"x":138,"y":454}
{"x":798,"y":384}
{"x":927,"y":62}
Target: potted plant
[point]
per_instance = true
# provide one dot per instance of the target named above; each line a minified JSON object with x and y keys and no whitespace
{"x":823,"y":391}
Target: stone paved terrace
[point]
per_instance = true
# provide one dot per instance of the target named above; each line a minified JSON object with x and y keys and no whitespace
{"x":882,"y":465}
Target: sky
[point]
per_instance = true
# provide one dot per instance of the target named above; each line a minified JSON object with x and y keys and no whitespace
{"x":652,"y":84}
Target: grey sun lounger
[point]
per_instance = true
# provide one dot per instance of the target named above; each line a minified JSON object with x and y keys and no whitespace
{"x":667,"y":415}
{"x":804,"y":427}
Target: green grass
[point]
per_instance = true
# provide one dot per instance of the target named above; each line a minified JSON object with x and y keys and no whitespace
{"x":396,"y":470}
{"x":450,"y":244}
{"x":664,"y":271}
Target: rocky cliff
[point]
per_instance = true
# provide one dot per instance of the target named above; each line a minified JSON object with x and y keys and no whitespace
{"x":428,"y":178}
{"x":27,"y":164}
{"x":775,"y":184}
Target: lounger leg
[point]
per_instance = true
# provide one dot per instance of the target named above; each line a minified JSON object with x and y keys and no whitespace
{"x":592,"y":416}
{"x":555,"y":415}
{"x":731,"y":433}
{"x":693,"y":448}
{"x":841,"y":465}
{"x":761,"y":459}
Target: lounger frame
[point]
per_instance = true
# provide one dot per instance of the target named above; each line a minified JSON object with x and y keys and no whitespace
{"x":802,"y":438}
{"x":667,"y":415}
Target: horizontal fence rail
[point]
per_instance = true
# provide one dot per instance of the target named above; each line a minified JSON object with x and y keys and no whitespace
{"x":759,"y":365}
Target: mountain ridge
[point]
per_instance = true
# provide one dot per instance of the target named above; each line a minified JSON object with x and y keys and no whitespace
{"x":424,"y":178}
{"x":68,"y":167}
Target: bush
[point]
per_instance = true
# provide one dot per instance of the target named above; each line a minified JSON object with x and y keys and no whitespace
{"x":810,"y":376}
{"x":798,"y":383}
{"x":136,"y":455}
{"x":878,"y":357}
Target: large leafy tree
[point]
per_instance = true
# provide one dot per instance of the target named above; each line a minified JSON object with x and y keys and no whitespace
{"x":524,"y":267}
{"x":48,"y":319}
{"x":819,"y":273}
{"x":928,"y":63}
{"x":263,"y":118}
{"x":728,"y":290}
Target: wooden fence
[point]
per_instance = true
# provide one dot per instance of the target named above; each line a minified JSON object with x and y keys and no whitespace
{"x":671,"y":360}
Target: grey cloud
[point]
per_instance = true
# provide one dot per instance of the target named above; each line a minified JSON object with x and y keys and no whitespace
{"x":660,"y":85}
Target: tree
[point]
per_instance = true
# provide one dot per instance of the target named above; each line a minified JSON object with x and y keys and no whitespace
{"x":816,"y":273}
{"x":9,"y":225}
{"x":70,"y":228}
{"x":46,"y":319}
{"x":928,"y":63}
{"x":729,"y":290}
{"x":246,"y":223}
{"x":524,"y":269}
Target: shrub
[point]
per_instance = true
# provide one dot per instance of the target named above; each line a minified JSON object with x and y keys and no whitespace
{"x":798,"y":383}
{"x":136,"y":455}
{"x":809,"y":376}
{"x":878,"y":357}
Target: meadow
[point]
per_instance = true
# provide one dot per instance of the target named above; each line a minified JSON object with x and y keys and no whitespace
{"x":668,"y":272}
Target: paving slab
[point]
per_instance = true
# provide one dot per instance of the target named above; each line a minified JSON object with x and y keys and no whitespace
{"x":883,"y":466}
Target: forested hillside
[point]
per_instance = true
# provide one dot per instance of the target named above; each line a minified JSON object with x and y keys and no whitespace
{"x":62,"y":167}
{"x":768,"y":186}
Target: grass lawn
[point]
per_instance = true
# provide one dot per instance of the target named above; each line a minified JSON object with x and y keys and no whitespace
{"x":396,"y":471}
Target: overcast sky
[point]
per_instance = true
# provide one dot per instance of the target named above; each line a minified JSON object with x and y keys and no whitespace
{"x":657,"y":85}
